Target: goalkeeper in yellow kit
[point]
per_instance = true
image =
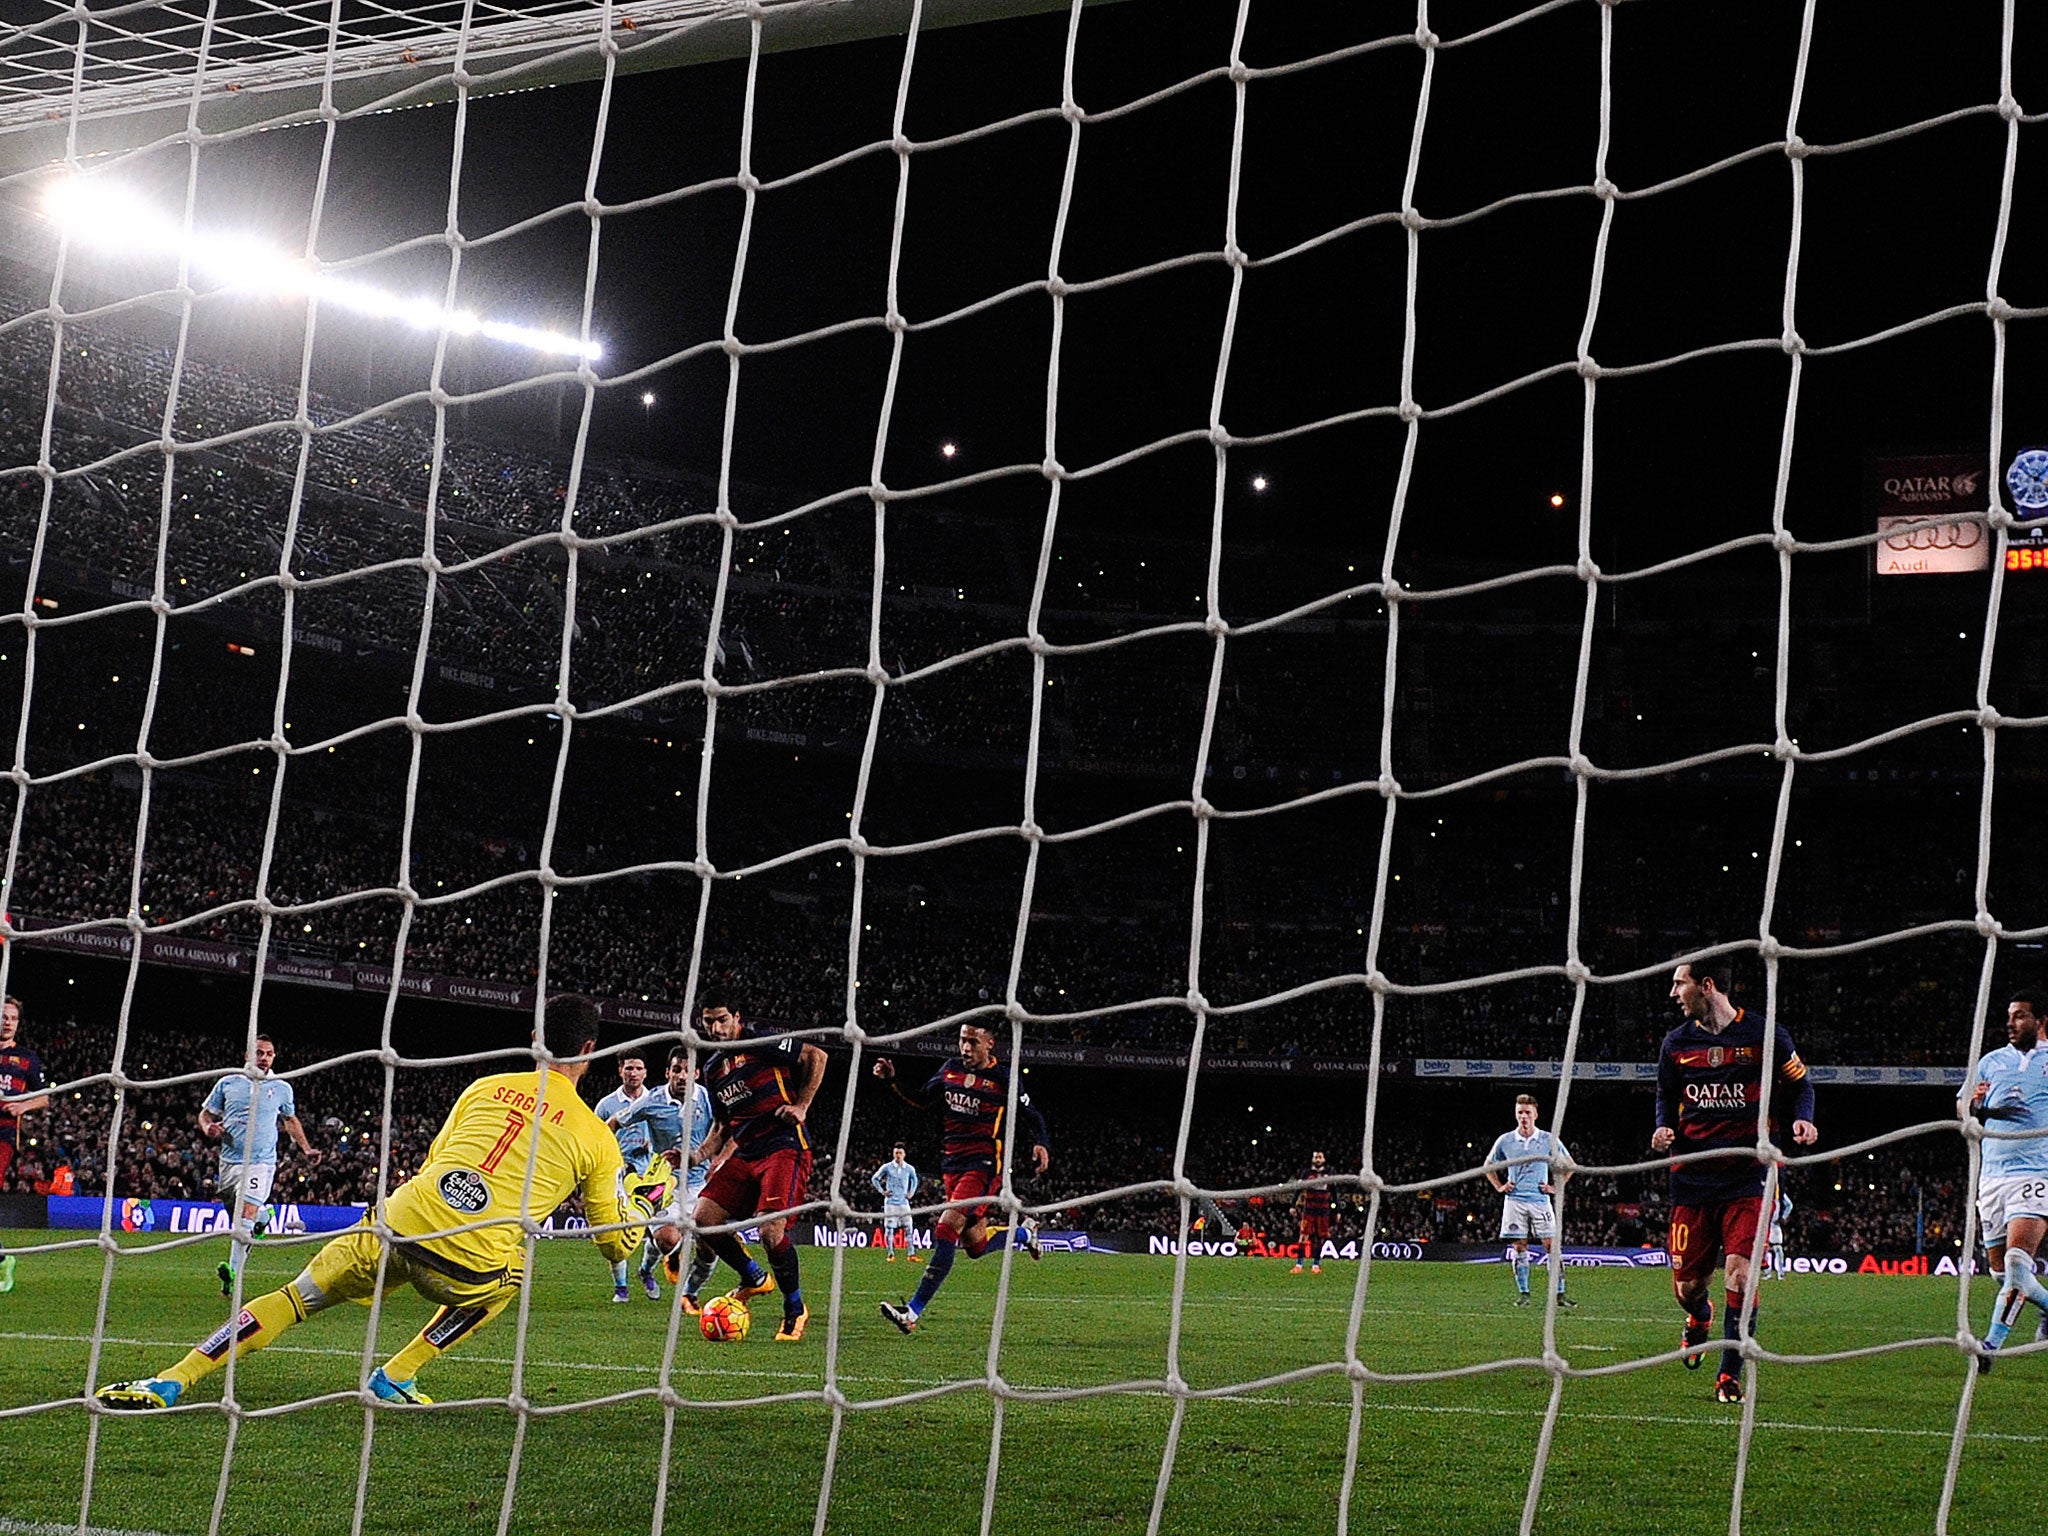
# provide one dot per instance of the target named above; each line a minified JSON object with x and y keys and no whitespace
{"x":476,"y":1171}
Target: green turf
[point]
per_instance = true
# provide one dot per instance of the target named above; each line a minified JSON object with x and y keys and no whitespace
{"x":1854,"y":1446}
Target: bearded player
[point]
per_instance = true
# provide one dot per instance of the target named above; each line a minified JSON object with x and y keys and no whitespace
{"x":1709,"y":1082}
{"x":2010,"y":1095}
{"x":1312,"y":1215}
{"x":761,"y":1092}
{"x":974,"y":1090}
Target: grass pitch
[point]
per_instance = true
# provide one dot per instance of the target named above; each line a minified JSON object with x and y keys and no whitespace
{"x":1857,"y":1445}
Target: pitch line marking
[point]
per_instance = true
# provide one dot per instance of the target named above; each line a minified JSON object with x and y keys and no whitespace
{"x":1250,"y":1400}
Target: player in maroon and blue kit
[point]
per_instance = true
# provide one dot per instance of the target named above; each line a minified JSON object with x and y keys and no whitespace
{"x":974,"y":1090}
{"x":1709,"y":1083}
{"x":761,"y":1091}
{"x":21,"y":1084}
{"x":21,"y":1090}
{"x":1312,"y":1208}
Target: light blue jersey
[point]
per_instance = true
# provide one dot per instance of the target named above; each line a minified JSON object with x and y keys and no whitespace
{"x":633,"y":1142}
{"x":238,"y":1141}
{"x":699,"y":1123}
{"x":2018,"y":1101}
{"x":1526,"y":1179}
{"x":674,"y":1127}
{"x":896,"y":1181}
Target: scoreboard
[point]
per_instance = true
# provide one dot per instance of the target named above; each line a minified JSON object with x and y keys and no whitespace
{"x":2029,"y":556}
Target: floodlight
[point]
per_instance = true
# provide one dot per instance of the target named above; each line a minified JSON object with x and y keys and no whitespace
{"x":107,"y":216}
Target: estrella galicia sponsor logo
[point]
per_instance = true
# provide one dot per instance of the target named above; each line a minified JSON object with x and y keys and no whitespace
{"x":464,"y":1190}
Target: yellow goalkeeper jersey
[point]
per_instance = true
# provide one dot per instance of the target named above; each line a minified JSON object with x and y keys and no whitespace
{"x":476,"y":1170}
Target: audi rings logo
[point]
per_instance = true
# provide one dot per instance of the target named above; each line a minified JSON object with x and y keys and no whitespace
{"x":1397,"y":1250}
{"x":1938,"y":536}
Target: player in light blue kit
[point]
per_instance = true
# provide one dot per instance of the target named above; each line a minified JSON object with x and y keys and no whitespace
{"x":248,"y":1149}
{"x":896,"y":1181}
{"x":2010,"y":1094}
{"x":1774,"y":1252}
{"x":637,"y":1149}
{"x":677,"y":1118}
{"x":1526,"y":1211}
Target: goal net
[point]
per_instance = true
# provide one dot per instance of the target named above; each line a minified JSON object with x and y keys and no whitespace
{"x":1289,"y":563}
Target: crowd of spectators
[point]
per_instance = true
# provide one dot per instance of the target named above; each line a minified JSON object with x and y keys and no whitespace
{"x":350,"y":498}
{"x":1109,"y":1131}
{"x":441,"y":838}
{"x":1107,"y":928}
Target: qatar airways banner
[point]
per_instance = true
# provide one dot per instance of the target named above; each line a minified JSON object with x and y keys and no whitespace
{"x":1582,"y":1071}
{"x":1909,"y":493}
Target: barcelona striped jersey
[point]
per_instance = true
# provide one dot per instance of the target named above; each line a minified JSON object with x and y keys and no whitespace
{"x":975,"y":1100}
{"x":1709,"y":1087}
{"x":21,"y":1074}
{"x":1315,"y":1200}
{"x":748,"y":1080}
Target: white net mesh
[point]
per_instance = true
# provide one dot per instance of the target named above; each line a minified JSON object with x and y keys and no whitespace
{"x":439,"y":592}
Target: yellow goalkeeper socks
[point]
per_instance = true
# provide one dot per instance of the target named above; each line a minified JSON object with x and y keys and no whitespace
{"x":258,"y":1324}
{"x":447,"y":1328}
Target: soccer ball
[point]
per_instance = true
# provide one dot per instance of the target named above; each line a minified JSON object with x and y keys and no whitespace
{"x":725,"y":1320}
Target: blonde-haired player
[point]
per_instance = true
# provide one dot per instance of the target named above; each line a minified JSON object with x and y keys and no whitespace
{"x":476,"y":1171}
{"x":1526,"y":1183}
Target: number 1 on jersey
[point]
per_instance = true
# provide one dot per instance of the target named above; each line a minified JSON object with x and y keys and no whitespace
{"x":514,"y":1124}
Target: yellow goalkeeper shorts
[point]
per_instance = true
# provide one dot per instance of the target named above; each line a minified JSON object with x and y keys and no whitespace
{"x":345,"y":1269}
